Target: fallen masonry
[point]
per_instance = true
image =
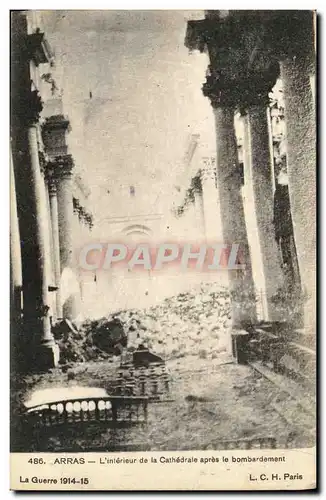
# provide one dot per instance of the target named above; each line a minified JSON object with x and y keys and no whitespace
{"x":194,"y":322}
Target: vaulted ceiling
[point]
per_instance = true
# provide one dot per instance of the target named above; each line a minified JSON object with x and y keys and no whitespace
{"x":133,"y":93}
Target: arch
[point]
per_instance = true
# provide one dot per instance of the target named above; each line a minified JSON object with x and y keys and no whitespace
{"x":139,"y":229}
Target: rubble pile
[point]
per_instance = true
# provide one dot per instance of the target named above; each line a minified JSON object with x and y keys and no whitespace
{"x":194,"y":322}
{"x":94,"y":340}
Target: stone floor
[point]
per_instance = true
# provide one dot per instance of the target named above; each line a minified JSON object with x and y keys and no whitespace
{"x":213,"y":401}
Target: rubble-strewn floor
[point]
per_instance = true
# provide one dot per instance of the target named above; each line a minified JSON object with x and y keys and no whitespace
{"x":214,"y":401}
{"x":196,"y":321}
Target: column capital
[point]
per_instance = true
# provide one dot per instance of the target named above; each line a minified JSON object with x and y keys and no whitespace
{"x":238,"y":89}
{"x":61,"y":167}
{"x":56,"y":122}
{"x":54,"y":134}
{"x":254,"y":89}
{"x":244,"y":64}
{"x":28,"y":107}
{"x":288,"y":33}
{"x":249,"y":34}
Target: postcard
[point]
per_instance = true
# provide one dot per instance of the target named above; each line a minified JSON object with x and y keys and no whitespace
{"x":163,"y":250}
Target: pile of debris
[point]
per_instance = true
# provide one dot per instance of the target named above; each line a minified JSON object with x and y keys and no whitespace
{"x":94,"y":340}
{"x":194,"y":322}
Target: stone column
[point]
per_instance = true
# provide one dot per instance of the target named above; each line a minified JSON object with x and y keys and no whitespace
{"x":301,"y":160}
{"x":49,"y":242}
{"x":15,"y":254}
{"x":232,"y":215}
{"x":259,"y":181}
{"x":66,"y":231}
{"x":227,"y":53}
{"x":46,"y":352}
{"x":55,"y":242}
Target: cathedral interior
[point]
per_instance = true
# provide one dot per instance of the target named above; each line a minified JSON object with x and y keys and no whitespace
{"x":163,"y":126}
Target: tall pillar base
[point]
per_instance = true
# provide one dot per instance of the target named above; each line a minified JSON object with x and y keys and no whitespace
{"x":240,"y":349}
{"x":46,"y":356}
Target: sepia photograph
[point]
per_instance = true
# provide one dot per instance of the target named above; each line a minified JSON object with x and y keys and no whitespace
{"x":162,"y":233}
